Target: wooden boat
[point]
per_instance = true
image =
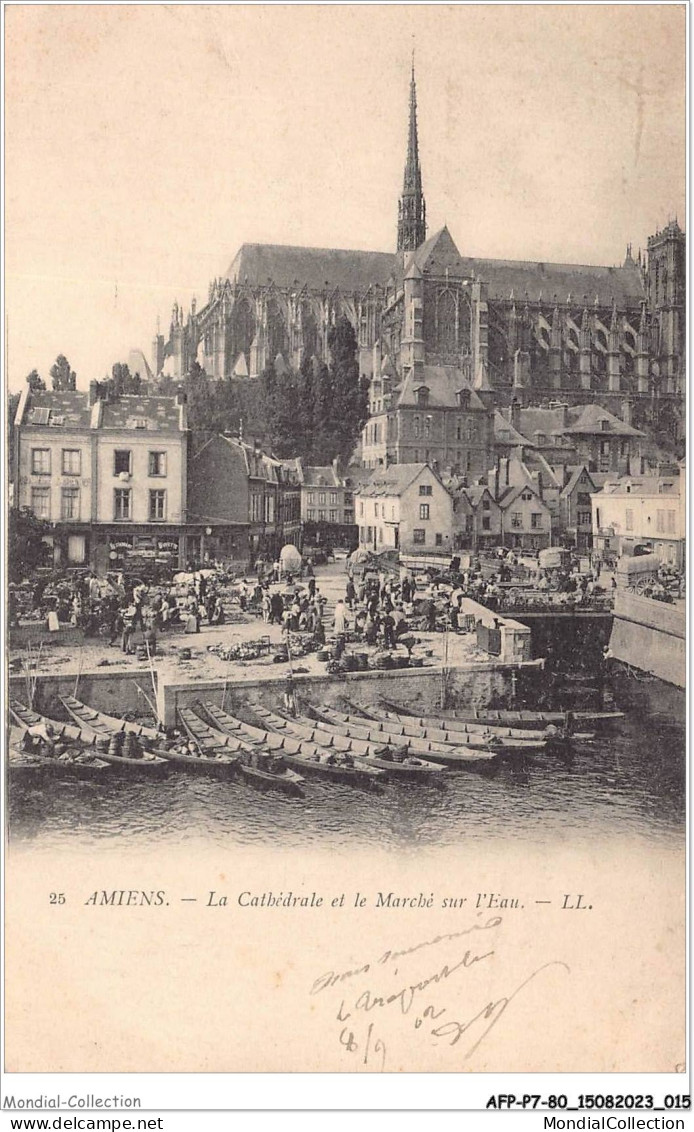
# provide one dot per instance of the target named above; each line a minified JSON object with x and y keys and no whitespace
{"x":75,"y":763}
{"x":430,"y":738}
{"x":304,"y":756}
{"x":26,"y":717}
{"x":98,"y":745}
{"x":215,"y":745}
{"x":102,"y":724}
{"x":387,"y":757}
{"x":535,"y":718}
{"x":213,"y":756}
{"x":402,"y":715}
{"x":131,"y":757}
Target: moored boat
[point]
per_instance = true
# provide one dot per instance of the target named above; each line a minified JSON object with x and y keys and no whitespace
{"x":304,"y":756}
{"x":261,"y":769}
{"x":402,"y":715}
{"x":398,"y":761}
{"x":103,"y":724}
{"x":511,"y":718}
{"x":26,"y":717}
{"x":26,"y":759}
{"x":202,"y":752}
{"x":431,"y":739}
{"x":125,"y":751}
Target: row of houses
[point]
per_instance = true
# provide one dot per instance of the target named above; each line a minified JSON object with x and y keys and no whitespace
{"x":523,"y":506}
{"x":126,"y":484}
{"x":408,"y":507}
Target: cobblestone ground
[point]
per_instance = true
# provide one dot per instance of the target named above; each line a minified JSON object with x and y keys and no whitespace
{"x":87,"y":655}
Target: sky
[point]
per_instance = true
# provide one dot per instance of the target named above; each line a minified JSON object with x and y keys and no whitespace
{"x":144,"y":144}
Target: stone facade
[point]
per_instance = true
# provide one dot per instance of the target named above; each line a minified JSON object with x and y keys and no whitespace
{"x":528,"y":330}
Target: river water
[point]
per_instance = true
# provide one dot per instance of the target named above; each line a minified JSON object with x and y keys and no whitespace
{"x":628,"y":783}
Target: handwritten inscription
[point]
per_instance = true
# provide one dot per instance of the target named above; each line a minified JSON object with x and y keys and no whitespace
{"x":374,"y":1001}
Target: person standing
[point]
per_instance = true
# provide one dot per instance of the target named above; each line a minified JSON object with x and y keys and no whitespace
{"x":389,"y":630}
{"x":139,"y":594}
{"x":127,"y":619}
{"x":340,"y":617}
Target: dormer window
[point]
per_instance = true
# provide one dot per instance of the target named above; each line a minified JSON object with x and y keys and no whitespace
{"x":422,"y":395}
{"x":604,"y":425}
{"x":463,"y":396}
{"x":540,"y":438}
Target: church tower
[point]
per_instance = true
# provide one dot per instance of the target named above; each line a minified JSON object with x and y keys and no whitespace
{"x":411,"y":207}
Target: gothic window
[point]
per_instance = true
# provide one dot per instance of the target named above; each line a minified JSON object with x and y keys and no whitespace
{"x":309,"y":331}
{"x":447,"y":332}
{"x":242,"y":331}
{"x":499,"y":350}
{"x":276,"y":331}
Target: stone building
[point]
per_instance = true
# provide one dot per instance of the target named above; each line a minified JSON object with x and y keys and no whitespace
{"x":108,"y":473}
{"x":528,"y":330}
{"x":642,"y":513}
{"x":405,"y":507}
{"x":242,"y":503}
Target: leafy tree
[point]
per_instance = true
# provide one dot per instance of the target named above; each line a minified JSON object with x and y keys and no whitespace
{"x":123,"y":381}
{"x":349,"y":394}
{"x":63,"y":378}
{"x":36,"y":382}
{"x":26,"y":549}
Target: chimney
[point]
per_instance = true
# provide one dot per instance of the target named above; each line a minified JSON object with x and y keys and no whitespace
{"x":627,"y":412}
{"x":516,"y":414}
{"x":93,"y":392}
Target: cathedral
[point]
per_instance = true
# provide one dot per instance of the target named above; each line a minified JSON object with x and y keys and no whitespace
{"x":510,"y":331}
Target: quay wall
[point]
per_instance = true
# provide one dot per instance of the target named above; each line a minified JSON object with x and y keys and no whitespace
{"x":415,"y":689}
{"x":515,"y":638}
{"x":116,"y":693}
{"x":651,"y":636}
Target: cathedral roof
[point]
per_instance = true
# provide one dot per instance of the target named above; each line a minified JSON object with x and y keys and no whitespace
{"x":317,"y":268}
{"x":536,"y":280}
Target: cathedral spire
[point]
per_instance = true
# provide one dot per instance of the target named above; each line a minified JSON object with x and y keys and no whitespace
{"x":411,"y":207}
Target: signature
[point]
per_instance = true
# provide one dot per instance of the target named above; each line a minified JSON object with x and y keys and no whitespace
{"x":367,"y":1014}
{"x":493,"y":1011}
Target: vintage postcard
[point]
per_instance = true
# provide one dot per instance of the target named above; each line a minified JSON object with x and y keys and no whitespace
{"x":345,"y":550}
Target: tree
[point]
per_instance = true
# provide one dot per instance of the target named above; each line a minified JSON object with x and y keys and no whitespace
{"x":123,"y":382}
{"x":349,"y":394}
{"x":63,"y":379}
{"x":36,"y":382}
{"x":26,"y":550}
